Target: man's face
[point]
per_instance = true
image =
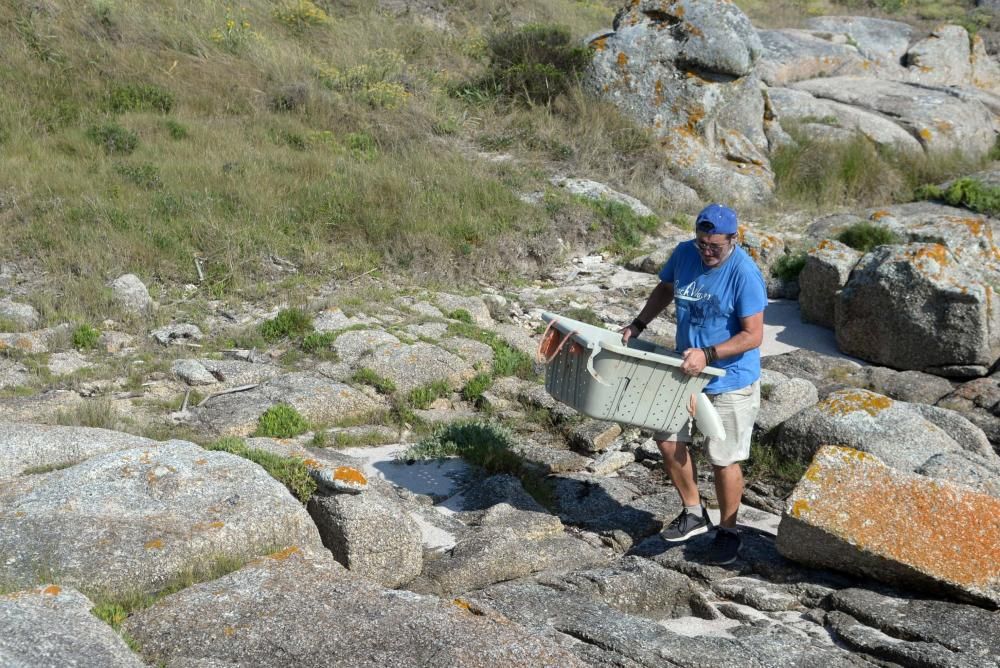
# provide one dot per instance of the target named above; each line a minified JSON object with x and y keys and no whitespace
{"x":713,"y":248}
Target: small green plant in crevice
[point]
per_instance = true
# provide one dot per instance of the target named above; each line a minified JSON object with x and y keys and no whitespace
{"x":473,"y":390}
{"x":789,"y":266}
{"x":461,"y":315}
{"x":85,"y":337}
{"x":140,"y":97}
{"x":766,"y":390}
{"x":864,"y":236}
{"x":143,"y":175}
{"x":48,"y":468}
{"x":585,"y":315}
{"x":967,"y":192}
{"x":113,"y":138}
{"x":290,"y":472}
{"x":507,"y":361}
{"x":424,"y":396}
{"x":176,"y":129}
{"x":281,"y":421}
{"x":366,"y":376}
{"x":768,"y":463}
{"x":316,"y":342}
{"x":289,"y":323}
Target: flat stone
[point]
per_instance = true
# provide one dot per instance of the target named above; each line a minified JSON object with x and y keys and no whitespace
{"x":592,"y":436}
{"x":177,"y":334}
{"x":23,"y":315}
{"x":246,"y":611}
{"x":756,"y":593}
{"x":12,"y":373}
{"x":193,"y":372}
{"x":609,"y":462}
{"x":33,"y":446}
{"x":128,"y":522}
{"x":934,"y":535}
{"x":474,"y":306}
{"x":52,"y":625}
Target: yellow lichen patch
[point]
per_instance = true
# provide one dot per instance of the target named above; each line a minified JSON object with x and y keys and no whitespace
{"x":200,"y":462}
{"x":799,"y":507}
{"x":944,"y":126}
{"x":52,"y":590}
{"x":3,"y":345}
{"x":228,"y":631}
{"x":658,"y":93}
{"x":155,"y":544}
{"x":350,"y":475}
{"x":600,"y":44}
{"x":462,"y":603}
{"x":622,"y":59}
{"x":879,"y":215}
{"x":284,"y":554}
{"x":925,"y":134}
{"x":852,"y":401}
{"x":812,"y":472}
{"x":692,"y":29}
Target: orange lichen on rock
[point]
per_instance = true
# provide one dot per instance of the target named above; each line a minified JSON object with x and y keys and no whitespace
{"x":52,"y":590}
{"x":658,"y":93}
{"x":349,"y":474}
{"x":936,"y":252}
{"x":600,"y":44}
{"x":880,"y":214}
{"x":622,"y":59}
{"x":284,"y":554}
{"x":850,"y":401}
{"x":200,"y":462}
{"x":941,"y":530}
{"x":925,"y":134}
{"x":155,"y":544}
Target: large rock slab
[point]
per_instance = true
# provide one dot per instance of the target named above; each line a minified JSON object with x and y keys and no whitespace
{"x":835,"y":121}
{"x":316,"y":398}
{"x":934,"y":313}
{"x":898,"y":433}
{"x":370,"y":534}
{"x":939,"y":118}
{"x":794,"y":55}
{"x":309,"y":609}
{"x":416,"y":365}
{"x":827,"y":268}
{"x":882,"y":42}
{"x":509,"y":543}
{"x":53,"y":626}
{"x":686,"y":71}
{"x":128,"y":522}
{"x":912,"y":631}
{"x":36,"y":446}
{"x":942,"y":58}
{"x":781,"y":398}
{"x":33,"y":342}
{"x":933,"y":535}
{"x":131,"y":294}
{"x":23,"y":315}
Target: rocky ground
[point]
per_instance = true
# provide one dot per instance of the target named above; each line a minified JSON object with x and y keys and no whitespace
{"x":440,"y":563}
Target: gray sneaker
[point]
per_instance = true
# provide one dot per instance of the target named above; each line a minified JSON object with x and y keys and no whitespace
{"x":724,"y":549}
{"x":686,"y":525}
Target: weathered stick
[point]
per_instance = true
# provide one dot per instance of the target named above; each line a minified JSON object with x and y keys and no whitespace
{"x":232,"y":390}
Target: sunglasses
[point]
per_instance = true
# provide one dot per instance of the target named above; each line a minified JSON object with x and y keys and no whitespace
{"x":714,"y":249}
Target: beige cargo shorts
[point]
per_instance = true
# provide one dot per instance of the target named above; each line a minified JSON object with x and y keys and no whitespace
{"x":738,"y":411}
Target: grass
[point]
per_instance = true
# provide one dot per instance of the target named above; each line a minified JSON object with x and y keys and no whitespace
{"x":823,"y":175}
{"x":90,"y":413}
{"x":767,"y":463}
{"x":281,"y":421}
{"x":47,"y":468}
{"x":789,"y":266}
{"x":292,"y":473}
{"x":474,"y":389}
{"x":289,"y":323}
{"x":507,"y":361}
{"x":423,"y":397}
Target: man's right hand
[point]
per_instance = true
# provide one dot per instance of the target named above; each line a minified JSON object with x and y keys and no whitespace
{"x":627,"y":332}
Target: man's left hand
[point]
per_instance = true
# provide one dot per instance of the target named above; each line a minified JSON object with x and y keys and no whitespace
{"x":694,"y":361}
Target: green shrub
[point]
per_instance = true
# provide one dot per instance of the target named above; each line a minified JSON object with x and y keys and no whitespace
{"x":292,"y":473}
{"x":534,"y":63}
{"x":143,"y":175}
{"x":140,"y":97}
{"x":113,"y":138}
{"x":298,"y":15}
{"x":969,"y":193}
{"x":865,"y":236}
{"x":281,"y":421}
{"x":85,"y":337}
{"x":461,"y":315}
{"x":175,"y":129}
{"x":474,"y":389}
{"x":289,"y":323}
{"x":422,"y":397}
{"x":625,"y":225}
{"x":366,"y":376}
{"x":789,"y":266}
{"x":315,"y":342}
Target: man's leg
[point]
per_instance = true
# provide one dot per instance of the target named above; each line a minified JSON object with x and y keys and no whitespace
{"x":680,"y":467}
{"x":729,"y":489}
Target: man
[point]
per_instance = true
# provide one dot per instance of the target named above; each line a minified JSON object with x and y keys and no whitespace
{"x":720,"y":296}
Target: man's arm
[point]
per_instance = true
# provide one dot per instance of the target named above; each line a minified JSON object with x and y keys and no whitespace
{"x":659,"y":299}
{"x":750,"y":336}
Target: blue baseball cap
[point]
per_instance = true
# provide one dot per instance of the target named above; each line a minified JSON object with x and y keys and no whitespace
{"x":716,"y":219}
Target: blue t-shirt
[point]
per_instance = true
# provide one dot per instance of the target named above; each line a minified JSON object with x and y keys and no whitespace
{"x":710,"y":303}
